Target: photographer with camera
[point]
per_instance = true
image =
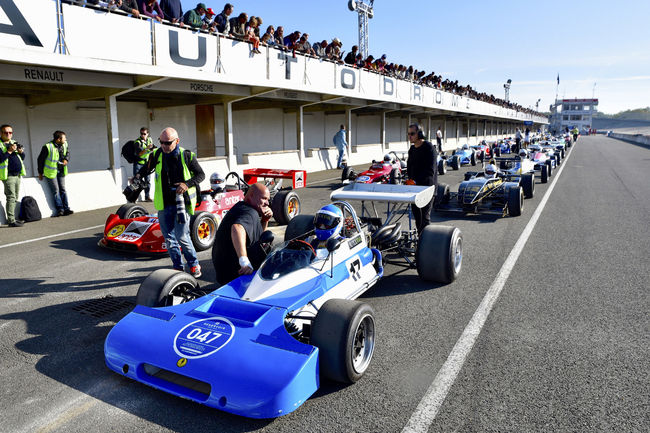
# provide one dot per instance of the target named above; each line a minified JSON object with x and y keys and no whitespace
{"x":178,"y":175}
{"x":143,"y":147}
{"x":12,"y":169}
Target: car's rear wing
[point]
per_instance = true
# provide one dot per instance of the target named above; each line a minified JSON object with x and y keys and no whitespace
{"x":383,"y":192}
{"x":298,"y":177}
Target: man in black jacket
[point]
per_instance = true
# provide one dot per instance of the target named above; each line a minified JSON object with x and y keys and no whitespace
{"x":178,"y":175}
{"x":421,"y":168}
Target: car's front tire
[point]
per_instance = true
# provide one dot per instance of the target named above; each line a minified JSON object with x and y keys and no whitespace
{"x":131,"y":210}
{"x":439,"y":254}
{"x":166,"y":287}
{"x":285,"y":206}
{"x":203,"y":230}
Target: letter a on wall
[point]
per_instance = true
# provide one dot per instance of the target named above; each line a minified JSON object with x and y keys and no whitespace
{"x":19,"y":25}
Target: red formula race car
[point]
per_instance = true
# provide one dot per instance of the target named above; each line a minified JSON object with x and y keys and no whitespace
{"x":391,"y":169}
{"x":133,"y":229}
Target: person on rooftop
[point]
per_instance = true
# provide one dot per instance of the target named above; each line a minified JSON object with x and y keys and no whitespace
{"x":238,"y":25}
{"x":250,"y":35}
{"x":172,"y":10}
{"x":279,"y":36}
{"x":208,"y":19}
{"x":352,"y":55}
{"x":151,"y":8}
{"x":269,"y":37}
{"x":321,"y":49}
{"x":221,"y":22}
{"x":334,"y":50}
{"x":193,"y":17}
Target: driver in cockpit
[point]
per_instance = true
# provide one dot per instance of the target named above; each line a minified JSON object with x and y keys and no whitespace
{"x":328,"y":223}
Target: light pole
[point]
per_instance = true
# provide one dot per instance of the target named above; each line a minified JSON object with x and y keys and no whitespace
{"x":537,"y":104}
{"x":507,"y":87}
{"x":365,"y":12}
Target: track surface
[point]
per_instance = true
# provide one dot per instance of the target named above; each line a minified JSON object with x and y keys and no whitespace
{"x":565,"y":348}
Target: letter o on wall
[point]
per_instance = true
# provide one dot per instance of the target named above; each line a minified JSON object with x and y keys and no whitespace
{"x":348,"y":78}
{"x":438,"y":97}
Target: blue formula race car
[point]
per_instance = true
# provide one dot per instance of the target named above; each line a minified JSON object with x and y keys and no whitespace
{"x":260,"y":345}
{"x":465,"y":155}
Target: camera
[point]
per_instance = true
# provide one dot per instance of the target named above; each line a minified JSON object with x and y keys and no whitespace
{"x":19,"y":146}
{"x":133,"y":190}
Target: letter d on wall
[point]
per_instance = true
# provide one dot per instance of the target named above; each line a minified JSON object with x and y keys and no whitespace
{"x":178,"y":59}
{"x":389,"y":86}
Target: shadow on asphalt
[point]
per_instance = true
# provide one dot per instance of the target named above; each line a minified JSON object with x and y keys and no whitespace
{"x":405,"y":284}
{"x":87,"y":247}
{"x":32,"y":288}
{"x":71,"y":350}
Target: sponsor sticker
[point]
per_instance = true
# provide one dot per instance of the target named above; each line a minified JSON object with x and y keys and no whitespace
{"x":203,"y":337}
{"x":354,"y":242}
{"x":116,"y":231}
{"x":363,"y":178}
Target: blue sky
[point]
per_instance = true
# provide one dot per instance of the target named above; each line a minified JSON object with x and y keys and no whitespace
{"x":483,"y":43}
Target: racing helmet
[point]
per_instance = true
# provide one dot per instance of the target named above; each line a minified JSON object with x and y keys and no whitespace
{"x":387,"y":158}
{"x":328,"y":222}
{"x":523,"y":153}
{"x":465,"y":146}
{"x":490,"y":170}
{"x":216,"y":182}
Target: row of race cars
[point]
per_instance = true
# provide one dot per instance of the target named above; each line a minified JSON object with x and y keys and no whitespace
{"x":260,"y":345}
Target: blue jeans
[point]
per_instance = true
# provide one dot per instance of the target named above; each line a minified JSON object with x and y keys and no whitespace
{"x":57,"y":186}
{"x":341,"y":155}
{"x":176,"y":236}
{"x":146,"y":179}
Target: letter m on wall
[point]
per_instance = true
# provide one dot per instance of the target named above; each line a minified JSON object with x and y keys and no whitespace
{"x":19,"y":25}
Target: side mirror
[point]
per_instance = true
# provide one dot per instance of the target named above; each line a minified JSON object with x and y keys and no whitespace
{"x":333,"y":244}
{"x":267,"y":237}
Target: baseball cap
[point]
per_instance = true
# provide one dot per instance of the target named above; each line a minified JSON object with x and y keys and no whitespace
{"x":209,"y":11}
{"x":201,"y":6}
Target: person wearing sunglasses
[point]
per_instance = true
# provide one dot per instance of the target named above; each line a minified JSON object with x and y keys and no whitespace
{"x":420,"y":167}
{"x":143,"y":147}
{"x":178,"y":175}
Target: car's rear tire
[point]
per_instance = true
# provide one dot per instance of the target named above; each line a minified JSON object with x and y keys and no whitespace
{"x":285,"y":206}
{"x":472,"y":158}
{"x":299,"y":226}
{"x":549,"y":164}
{"x":347,"y":171}
{"x":442,"y":167}
{"x":203,"y":230}
{"x":515,"y":197}
{"x":344,"y":332}
{"x":528,"y":184}
{"x":395,"y":176}
{"x":469,"y":175}
{"x":544,"y":171}
{"x":131,"y":210}
{"x":439,"y":254}
{"x":455,"y":162}
{"x":442,"y":194}
{"x":165,"y":287}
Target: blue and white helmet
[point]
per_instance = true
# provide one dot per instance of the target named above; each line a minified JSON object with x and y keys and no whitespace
{"x":328,"y":222}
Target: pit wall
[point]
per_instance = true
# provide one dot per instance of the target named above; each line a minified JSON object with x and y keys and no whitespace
{"x":633,"y":138}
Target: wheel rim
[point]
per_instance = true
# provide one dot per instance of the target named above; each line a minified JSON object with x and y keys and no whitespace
{"x":179,"y":294}
{"x":136,"y":213}
{"x":293,"y":207}
{"x":457,"y":254}
{"x":363,"y":345}
{"x":205,"y":231}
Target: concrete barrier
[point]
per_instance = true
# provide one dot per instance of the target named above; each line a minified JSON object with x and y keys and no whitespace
{"x":632,"y":138}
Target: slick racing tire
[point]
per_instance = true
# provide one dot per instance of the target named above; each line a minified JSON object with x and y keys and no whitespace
{"x":515,"y":198}
{"x":528,"y":184}
{"x":558,"y":159}
{"x":442,"y":195}
{"x":469,"y":175}
{"x":285,"y":206}
{"x":472,"y":159}
{"x":544,"y":175}
{"x":166,"y":287}
{"x":442,"y":167}
{"x":439,"y":255}
{"x":549,"y":164}
{"x":347,"y":172}
{"x":497,"y":151}
{"x":131,"y":210}
{"x":344,"y":332}
{"x":395,"y":176}
{"x":455,"y":162}
{"x":299,"y":226}
{"x":203,"y":230}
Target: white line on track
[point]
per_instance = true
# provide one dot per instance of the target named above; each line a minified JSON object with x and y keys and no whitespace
{"x":50,"y":236}
{"x":430,"y":404}
{"x":324,"y":180}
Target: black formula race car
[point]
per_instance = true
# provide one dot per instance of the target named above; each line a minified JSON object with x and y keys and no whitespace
{"x":500,"y":195}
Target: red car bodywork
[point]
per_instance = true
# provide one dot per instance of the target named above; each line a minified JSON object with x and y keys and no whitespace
{"x":379,"y":172}
{"x":143,"y":234}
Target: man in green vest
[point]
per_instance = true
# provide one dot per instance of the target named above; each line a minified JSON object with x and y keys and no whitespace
{"x":53,"y":166}
{"x":178,"y":175}
{"x":143,"y":147}
{"x":12,"y":169}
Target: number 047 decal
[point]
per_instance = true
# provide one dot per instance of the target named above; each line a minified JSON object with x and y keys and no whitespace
{"x":203,"y":337}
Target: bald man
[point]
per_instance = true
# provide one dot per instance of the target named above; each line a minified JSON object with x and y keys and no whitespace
{"x":236,"y":249}
{"x":178,"y":175}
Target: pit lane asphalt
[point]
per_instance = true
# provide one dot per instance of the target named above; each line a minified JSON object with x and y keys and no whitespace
{"x":565,"y":347}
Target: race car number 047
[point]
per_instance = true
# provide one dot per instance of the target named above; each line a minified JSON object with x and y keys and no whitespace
{"x":203,"y":337}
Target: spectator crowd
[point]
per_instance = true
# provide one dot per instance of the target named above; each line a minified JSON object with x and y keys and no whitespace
{"x":248,"y":28}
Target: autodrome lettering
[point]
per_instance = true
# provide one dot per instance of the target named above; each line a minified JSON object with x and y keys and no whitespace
{"x":19,"y":25}
{"x":43,"y":75}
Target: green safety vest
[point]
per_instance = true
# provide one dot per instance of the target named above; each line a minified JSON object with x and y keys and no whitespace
{"x":4,"y":166}
{"x":142,"y":160}
{"x":158,"y":200}
{"x":50,"y":170}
